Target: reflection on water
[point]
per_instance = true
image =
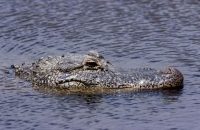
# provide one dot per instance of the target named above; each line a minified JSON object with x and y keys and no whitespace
{"x":130,"y":33}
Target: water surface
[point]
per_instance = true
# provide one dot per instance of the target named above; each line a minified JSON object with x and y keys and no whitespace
{"x":130,"y":33}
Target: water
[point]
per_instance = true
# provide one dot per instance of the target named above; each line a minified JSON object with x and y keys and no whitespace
{"x":130,"y":33}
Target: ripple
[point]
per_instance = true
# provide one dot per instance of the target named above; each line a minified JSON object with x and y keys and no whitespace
{"x":129,"y":34}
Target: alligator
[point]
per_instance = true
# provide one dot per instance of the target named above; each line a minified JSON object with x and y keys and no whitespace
{"x":92,"y":71}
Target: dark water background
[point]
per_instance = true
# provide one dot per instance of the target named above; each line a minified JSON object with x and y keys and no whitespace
{"x":130,"y":33}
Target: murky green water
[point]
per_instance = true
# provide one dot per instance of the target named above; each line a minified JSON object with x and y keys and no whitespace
{"x":130,"y":33}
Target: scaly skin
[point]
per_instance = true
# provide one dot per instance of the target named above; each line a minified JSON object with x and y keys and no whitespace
{"x":144,"y":78}
{"x":92,"y":71}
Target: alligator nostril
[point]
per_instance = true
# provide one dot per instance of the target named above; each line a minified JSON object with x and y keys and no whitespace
{"x":12,"y":66}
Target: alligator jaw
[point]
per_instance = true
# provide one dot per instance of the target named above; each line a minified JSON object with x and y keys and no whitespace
{"x":72,"y":79}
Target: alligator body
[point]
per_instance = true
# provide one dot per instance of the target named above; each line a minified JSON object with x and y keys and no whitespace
{"x":92,"y":71}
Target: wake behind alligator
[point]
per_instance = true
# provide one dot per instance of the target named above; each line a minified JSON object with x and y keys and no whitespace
{"x":93,"y":72}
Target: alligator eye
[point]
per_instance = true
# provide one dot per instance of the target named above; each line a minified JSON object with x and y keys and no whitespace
{"x":91,"y":64}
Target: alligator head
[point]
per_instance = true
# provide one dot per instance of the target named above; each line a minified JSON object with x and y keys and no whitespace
{"x":94,"y":71}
